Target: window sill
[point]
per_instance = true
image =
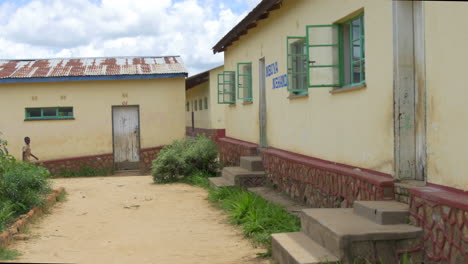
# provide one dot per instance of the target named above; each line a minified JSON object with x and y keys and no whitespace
{"x":348,"y":89}
{"x":247,"y":102}
{"x":298,"y":96}
{"x":49,"y":119}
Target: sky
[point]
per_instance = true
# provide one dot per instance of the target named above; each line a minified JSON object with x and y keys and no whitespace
{"x":101,"y":28}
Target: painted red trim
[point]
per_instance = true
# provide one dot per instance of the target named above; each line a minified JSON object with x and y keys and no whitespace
{"x":220,"y":133}
{"x":374,"y":177}
{"x":238,"y":142}
{"x":73,"y":159}
{"x":439,"y":195}
{"x":447,"y":188}
{"x":153,"y":148}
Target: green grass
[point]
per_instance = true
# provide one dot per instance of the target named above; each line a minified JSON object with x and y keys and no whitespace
{"x":257,"y":217}
{"x":6,"y":254}
{"x":83,"y":171}
{"x":62,"y":197}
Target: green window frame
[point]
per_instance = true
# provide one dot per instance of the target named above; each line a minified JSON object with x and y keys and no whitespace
{"x":227,"y":87}
{"x":49,"y":113}
{"x":187,"y":106}
{"x":353,"y":51}
{"x":297,"y":65}
{"x":200,"y":104}
{"x":196,"y":105}
{"x":206,"y":103}
{"x":244,"y":81}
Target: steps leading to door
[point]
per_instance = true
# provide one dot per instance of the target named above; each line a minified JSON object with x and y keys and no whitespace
{"x":249,"y":174}
{"x":351,"y":234}
{"x":297,"y":248}
{"x":272,"y":196}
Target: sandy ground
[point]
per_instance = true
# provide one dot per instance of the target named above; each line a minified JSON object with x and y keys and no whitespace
{"x":131,"y":220}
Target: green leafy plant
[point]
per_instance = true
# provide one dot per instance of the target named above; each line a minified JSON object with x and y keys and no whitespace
{"x":185,"y":157}
{"x":3,"y":146}
{"x":6,"y":254}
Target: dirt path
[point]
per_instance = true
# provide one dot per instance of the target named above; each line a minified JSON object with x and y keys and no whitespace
{"x":131,"y":220}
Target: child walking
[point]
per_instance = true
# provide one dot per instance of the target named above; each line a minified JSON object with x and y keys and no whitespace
{"x":27,"y":150}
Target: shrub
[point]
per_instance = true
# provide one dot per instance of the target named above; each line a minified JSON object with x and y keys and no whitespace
{"x":23,"y":184}
{"x":185,"y":157}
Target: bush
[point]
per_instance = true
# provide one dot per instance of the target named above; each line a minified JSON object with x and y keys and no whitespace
{"x":23,"y":185}
{"x":185,"y":157}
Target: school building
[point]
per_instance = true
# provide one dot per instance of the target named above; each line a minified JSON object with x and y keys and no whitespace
{"x":354,"y":100}
{"x":203,"y":114}
{"x":104,"y":113}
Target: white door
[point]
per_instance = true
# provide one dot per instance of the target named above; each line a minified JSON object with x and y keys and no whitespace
{"x":126,"y":137}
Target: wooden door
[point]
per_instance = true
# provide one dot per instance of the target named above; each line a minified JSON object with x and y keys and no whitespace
{"x":126,"y":132}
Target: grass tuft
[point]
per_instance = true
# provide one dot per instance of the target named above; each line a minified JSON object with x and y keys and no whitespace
{"x":83,"y":171}
{"x":6,"y":254}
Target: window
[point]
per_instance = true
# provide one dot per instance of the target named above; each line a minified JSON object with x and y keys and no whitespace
{"x":206,"y":102}
{"x":196,"y":105}
{"x":46,"y":113}
{"x":227,"y":87}
{"x":297,"y":65}
{"x":244,"y":81}
{"x":187,"y":106}
{"x":200,"y":104}
{"x":353,"y":52}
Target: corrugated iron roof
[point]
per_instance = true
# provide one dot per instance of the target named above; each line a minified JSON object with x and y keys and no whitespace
{"x":90,"y":67}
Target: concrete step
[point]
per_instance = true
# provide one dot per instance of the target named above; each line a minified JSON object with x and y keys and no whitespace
{"x":297,"y":248}
{"x":251,"y":163}
{"x":383,"y":212}
{"x":349,"y":236}
{"x":293,"y":207}
{"x":243,"y":178}
{"x":220,"y":182}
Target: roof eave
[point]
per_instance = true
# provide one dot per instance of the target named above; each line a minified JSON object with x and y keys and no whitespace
{"x":261,"y":11}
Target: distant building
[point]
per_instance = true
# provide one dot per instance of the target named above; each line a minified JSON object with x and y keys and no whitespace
{"x":204,"y":116}
{"x":97,"y":112}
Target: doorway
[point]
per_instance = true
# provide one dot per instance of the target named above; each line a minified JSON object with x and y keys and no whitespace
{"x":126,"y":137}
{"x":262,"y":97}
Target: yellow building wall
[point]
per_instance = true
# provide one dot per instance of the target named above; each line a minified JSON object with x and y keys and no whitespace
{"x":447,"y":93}
{"x":214,"y":116}
{"x":161,"y":115}
{"x":354,"y":127}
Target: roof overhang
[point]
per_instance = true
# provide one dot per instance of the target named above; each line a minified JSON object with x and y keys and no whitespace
{"x":94,"y":78}
{"x":196,"y":80}
{"x":261,"y":11}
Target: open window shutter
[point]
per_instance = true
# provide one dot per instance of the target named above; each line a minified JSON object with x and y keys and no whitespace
{"x":229,"y":87}
{"x":297,"y":57}
{"x":221,"y":88}
{"x":244,"y":81}
{"x":323,"y":50}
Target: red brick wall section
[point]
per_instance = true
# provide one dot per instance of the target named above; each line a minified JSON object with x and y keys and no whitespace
{"x":323,"y":184}
{"x":443,"y":215}
{"x":98,"y":162}
{"x":147,"y":156}
{"x":230,"y":150}
{"x":215,"y":134}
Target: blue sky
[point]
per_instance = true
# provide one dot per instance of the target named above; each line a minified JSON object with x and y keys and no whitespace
{"x":97,"y":28}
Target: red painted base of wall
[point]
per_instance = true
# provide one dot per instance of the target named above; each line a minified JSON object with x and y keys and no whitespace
{"x":443,"y":215}
{"x":215,"y":134}
{"x":98,"y":162}
{"x":230,"y":150}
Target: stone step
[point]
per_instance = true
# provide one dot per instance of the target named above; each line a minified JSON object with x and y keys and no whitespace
{"x":349,"y":236}
{"x":297,"y":248}
{"x":383,"y":212}
{"x":240,"y":176}
{"x":251,"y":163}
{"x":218,"y":182}
{"x":293,"y":207}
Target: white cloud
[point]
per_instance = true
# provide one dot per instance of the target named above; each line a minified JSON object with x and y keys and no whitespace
{"x":86,"y":28}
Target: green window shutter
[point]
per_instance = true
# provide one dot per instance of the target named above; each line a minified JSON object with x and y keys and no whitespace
{"x":244,"y":81}
{"x":227,"y":87}
{"x":324,"y":56}
{"x":297,"y":64}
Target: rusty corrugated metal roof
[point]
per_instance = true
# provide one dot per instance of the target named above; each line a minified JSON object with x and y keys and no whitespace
{"x":94,"y":67}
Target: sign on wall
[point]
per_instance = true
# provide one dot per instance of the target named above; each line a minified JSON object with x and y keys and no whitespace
{"x":279,"y":81}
